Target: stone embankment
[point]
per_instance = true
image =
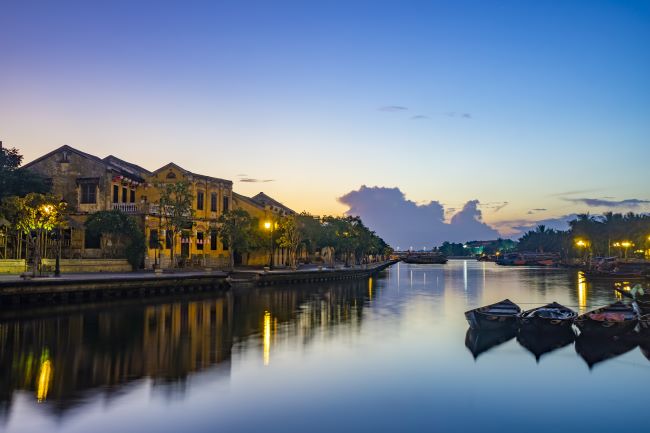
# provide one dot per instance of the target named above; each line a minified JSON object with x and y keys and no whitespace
{"x":99,"y":286}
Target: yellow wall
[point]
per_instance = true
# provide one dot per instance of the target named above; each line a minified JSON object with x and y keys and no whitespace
{"x":203,"y":218}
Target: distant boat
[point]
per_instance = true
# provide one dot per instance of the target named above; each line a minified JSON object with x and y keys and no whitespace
{"x":617,"y":318}
{"x":551,"y":316}
{"x":529,"y":259}
{"x":425,"y":258}
{"x":495,"y":316}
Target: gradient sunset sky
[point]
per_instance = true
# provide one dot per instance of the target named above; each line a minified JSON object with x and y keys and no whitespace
{"x":537,"y":109}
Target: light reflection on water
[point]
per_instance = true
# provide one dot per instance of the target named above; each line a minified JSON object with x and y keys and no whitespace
{"x":384,"y":354}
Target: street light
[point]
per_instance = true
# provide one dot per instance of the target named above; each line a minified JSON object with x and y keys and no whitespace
{"x":268,"y":225}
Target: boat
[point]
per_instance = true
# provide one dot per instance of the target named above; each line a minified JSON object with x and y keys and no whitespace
{"x":594,"y":275}
{"x":529,"y":259}
{"x":598,"y":348}
{"x":479,"y":341}
{"x":548,"y":317}
{"x":617,"y":318}
{"x":540,"y":343}
{"x":644,"y":326}
{"x":495,"y":316}
{"x":425,"y":258}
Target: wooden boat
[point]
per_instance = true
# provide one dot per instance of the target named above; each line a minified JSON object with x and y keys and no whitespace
{"x":478,"y":341}
{"x":617,"y":318}
{"x":539,"y":343}
{"x":495,"y":316}
{"x":598,"y":348}
{"x":594,"y":275}
{"x":548,"y":317}
{"x":644,"y":326}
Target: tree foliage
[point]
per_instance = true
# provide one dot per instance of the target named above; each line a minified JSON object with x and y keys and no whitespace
{"x":123,"y":231}
{"x":15,"y":181}
{"x":176,"y":209}
{"x":240,"y":231}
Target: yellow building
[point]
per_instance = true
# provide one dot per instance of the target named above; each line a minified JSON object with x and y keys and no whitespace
{"x":197,"y":245}
{"x":268,"y":212}
{"x":90,"y":184}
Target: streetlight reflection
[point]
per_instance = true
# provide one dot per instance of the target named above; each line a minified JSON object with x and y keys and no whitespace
{"x":267,"y":337}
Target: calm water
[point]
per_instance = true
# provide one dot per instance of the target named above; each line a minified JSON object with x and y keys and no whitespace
{"x":386,"y":354}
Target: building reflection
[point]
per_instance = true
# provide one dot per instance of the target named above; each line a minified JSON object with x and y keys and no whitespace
{"x":63,"y":358}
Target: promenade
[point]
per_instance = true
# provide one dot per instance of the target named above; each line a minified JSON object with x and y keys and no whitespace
{"x":15,"y":290}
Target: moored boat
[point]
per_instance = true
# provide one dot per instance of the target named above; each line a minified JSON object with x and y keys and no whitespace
{"x":495,"y":316}
{"x":431,"y":258}
{"x":617,"y":318}
{"x":644,"y":326}
{"x":548,"y":317}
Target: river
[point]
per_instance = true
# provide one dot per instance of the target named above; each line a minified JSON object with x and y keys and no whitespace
{"x":390,"y":353}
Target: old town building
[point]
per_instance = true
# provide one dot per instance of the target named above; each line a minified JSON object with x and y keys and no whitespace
{"x":90,"y":184}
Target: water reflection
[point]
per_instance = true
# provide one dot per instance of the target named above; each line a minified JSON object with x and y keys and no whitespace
{"x":540,"y":344}
{"x":479,"y":342}
{"x":198,"y":363}
{"x":97,"y":349}
{"x":596,"y":349}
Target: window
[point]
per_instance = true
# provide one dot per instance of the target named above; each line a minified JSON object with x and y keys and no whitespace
{"x":199,"y":200}
{"x":92,"y":240}
{"x":199,"y":241}
{"x":124,"y":194}
{"x":213,"y":241}
{"x":168,"y":239}
{"x":116,"y":194}
{"x":224,"y":243}
{"x":213,"y":202}
{"x":88,"y":193}
{"x":225,"y":204}
{"x":132,"y":196}
{"x":153,"y":239}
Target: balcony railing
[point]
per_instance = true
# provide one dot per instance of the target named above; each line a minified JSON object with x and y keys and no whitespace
{"x":142,"y":208}
{"x":129,"y":207}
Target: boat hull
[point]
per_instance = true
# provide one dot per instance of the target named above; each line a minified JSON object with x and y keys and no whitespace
{"x":494,"y":317}
{"x":490,"y":322}
{"x":545,"y":324}
{"x":586,"y":324}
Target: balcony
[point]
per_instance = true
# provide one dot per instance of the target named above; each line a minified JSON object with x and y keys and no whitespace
{"x":130,"y":208}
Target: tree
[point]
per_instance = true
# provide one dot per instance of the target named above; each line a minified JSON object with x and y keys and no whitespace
{"x":240,"y":231}
{"x":176,"y":210}
{"x":290,"y":237}
{"x":123,"y":231}
{"x":16,"y":181}
{"x":35,"y":215}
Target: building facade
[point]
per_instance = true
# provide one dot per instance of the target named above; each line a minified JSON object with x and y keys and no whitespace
{"x":89,"y":184}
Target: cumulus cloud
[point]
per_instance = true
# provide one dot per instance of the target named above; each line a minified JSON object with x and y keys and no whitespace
{"x":404,"y":223}
{"x":393,"y":108}
{"x":599,"y":202}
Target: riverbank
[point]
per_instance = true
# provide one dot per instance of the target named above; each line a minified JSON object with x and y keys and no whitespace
{"x":98,"y":286}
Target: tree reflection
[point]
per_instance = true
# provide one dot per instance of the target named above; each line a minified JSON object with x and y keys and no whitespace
{"x":61,"y":358}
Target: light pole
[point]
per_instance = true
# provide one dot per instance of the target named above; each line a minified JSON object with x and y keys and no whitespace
{"x":268,"y":225}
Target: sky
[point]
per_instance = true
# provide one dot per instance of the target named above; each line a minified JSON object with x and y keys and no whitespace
{"x":512,"y":111}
